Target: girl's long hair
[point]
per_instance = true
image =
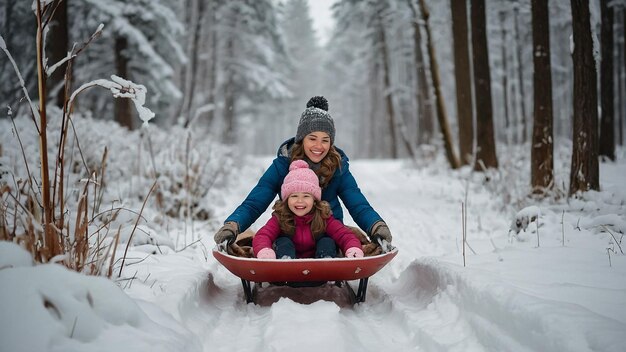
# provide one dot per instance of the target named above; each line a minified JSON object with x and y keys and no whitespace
{"x":321,"y":212}
{"x":328,"y":165}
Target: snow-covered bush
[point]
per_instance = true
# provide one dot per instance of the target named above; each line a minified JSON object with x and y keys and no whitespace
{"x":185,"y":164}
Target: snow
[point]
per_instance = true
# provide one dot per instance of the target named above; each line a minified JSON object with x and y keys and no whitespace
{"x":567,"y":294}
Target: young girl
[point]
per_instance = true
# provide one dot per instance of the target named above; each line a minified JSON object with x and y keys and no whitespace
{"x":313,"y":143}
{"x":301,"y":225}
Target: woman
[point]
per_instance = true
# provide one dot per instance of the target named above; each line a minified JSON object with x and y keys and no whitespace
{"x":313,"y":143}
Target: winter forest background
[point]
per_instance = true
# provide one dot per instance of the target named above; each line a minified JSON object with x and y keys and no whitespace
{"x":481,"y":82}
{"x":130,"y":129}
{"x":242,"y":70}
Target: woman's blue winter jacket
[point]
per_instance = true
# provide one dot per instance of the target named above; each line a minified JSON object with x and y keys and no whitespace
{"x":343,"y":185}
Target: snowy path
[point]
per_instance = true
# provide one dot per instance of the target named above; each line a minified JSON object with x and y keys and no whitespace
{"x":424,"y":300}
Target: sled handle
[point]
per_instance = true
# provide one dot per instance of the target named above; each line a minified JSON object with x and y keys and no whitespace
{"x":223,"y":246}
{"x":384,"y":245}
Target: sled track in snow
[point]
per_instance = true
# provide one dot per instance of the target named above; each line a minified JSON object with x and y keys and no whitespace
{"x":412,"y":305}
{"x":223,"y":318}
{"x":430,"y":307}
{"x":457,"y":313}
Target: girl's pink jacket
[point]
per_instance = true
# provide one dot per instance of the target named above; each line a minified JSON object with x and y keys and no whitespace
{"x":302,"y":238}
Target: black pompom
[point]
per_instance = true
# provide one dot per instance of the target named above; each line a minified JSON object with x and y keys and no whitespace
{"x":319,"y":102}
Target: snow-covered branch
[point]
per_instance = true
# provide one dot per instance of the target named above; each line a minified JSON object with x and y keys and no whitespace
{"x":121,"y":88}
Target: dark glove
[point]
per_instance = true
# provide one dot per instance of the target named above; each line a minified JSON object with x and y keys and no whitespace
{"x":228,"y":232}
{"x":380,"y":231}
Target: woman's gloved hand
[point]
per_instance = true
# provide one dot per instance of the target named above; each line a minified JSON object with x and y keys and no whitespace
{"x":380,"y":230}
{"x":266,"y":253}
{"x":228,"y":233}
{"x":354,"y":252}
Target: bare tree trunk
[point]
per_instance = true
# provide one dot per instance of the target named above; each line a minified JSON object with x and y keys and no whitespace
{"x":463,"y":79}
{"x":621,"y":82}
{"x":229,"y":96}
{"x":485,"y":141}
{"x":230,"y":118}
{"x":57,"y":50}
{"x":607,"y":130}
{"x":122,"y":108}
{"x":542,"y":164}
{"x":212,"y":75}
{"x":388,"y":94}
{"x":190,"y":109}
{"x":374,"y":116}
{"x":189,"y":70}
{"x":426,"y":126}
{"x":520,"y":73}
{"x":442,"y":116}
{"x":505,"y":79}
{"x":584,"y":173}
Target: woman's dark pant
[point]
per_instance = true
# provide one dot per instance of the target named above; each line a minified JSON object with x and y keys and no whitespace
{"x":325,"y":247}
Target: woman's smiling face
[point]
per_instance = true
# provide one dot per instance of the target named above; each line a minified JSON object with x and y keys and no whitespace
{"x":316,"y":146}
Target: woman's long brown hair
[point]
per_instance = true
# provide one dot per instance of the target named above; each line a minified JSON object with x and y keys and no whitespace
{"x":321,"y":212}
{"x":328,"y":165}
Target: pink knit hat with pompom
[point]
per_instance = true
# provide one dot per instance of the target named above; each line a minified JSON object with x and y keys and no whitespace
{"x":300,"y":179}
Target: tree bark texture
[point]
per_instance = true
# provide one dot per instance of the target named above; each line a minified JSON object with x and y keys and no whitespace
{"x":374,"y":95}
{"x":391,"y":118}
{"x":621,"y":83}
{"x":485,"y":141}
{"x":229,"y":96}
{"x":520,"y":78}
{"x":584,"y":173}
{"x":442,"y":115}
{"x":212,"y":75}
{"x":426,"y":126}
{"x":505,"y":78}
{"x":542,"y":163}
{"x":607,"y":121}
{"x":463,"y":79}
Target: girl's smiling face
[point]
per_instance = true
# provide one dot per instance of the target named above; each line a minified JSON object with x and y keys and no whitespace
{"x":300,"y":203}
{"x":316,"y":146}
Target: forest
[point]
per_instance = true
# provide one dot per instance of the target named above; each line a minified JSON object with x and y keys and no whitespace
{"x":405,"y":79}
{"x":487,"y":134}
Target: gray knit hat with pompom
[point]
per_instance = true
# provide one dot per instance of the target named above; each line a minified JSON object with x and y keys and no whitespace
{"x":316,"y":118}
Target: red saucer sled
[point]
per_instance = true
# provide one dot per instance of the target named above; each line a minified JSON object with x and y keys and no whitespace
{"x":340,"y":270}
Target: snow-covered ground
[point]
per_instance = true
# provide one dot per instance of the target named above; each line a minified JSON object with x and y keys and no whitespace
{"x":561,"y":290}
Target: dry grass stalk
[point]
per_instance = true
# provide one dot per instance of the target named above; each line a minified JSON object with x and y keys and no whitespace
{"x":33,"y":215}
{"x":130,"y":238}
